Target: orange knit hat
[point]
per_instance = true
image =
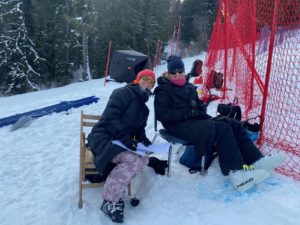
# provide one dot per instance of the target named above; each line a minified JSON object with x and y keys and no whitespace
{"x":145,"y":72}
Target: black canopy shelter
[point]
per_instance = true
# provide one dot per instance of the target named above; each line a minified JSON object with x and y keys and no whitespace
{"x":125,"y":64}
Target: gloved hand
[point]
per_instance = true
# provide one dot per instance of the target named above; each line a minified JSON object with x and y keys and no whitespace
{"x":197,"y":114}
{"x":129,"y":143}
{"x":203,"y":107}
{"x":194,"y":113}
{"x":146,"y":142}
{"x":158,"y":165}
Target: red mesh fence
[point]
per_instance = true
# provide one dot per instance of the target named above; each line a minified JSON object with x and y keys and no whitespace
{"x":256,"y":44}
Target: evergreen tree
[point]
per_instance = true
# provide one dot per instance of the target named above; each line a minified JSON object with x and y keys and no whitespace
{"x":197,"y":21}
{"x":44,"y":42}
{"x":20,"y":64}
{"x":134,"y":25}
{"x":82,"y":21}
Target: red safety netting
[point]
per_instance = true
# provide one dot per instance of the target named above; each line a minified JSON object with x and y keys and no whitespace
{"x":256,"y":44}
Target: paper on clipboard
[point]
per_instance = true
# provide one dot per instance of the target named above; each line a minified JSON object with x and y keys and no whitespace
{"x":146,"y":150}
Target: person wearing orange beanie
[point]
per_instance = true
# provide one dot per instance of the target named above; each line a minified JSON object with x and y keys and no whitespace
{"x":124,"y":118}
{"x":146,"y":74}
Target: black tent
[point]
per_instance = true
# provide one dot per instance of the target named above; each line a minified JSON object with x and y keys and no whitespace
{"x":125,"y":64}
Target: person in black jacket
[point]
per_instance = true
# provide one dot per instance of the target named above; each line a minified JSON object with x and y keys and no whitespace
{"x":124,"y":118}
{"x":180,"y":111}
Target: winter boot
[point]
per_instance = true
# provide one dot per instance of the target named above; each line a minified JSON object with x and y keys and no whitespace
{"x":270,"y":162}
{"x":243,"y":180}
{"x":115,"y":211}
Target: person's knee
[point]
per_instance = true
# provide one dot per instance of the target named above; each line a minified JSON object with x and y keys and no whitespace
{"x":127,"y":157}
{"x":136,"y":162}
{"x":141,"y":163}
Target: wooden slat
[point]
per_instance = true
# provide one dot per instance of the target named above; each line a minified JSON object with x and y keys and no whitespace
{"x":91,"y":172}
{"x":92,"y":185}
{"x":90,"y":166}
{"x":88,"y":124}
{"x":91,"y":117}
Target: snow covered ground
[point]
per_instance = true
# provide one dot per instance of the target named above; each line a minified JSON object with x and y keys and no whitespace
{"x":39,"y":173}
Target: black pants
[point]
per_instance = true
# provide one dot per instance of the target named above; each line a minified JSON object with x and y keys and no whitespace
{"x":235,"y":148}
{"x":233,"y":145}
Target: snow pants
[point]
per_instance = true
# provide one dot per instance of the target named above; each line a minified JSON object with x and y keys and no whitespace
{"x":234,"y":147}
{"x":128,"y":166}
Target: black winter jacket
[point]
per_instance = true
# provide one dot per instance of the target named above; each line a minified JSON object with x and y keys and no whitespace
{"x":124,"y":117}
{"x":174,"y":104}
{"x":173,"y":108}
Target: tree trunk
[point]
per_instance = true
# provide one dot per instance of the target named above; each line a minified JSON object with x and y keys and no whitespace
{"x":84,"y":54}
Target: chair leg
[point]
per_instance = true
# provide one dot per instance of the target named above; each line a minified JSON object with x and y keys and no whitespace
{"x":154,"y":138}
{"x":203,"y":170}
{"x":80,"y":202}
{"x":129,"y":189}
{"x":133,"y":200}
{"x":82,"y":157}
{"x":169,"y":160}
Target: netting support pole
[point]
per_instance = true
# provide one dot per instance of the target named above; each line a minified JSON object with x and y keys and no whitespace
{"x":253,"y":34}
{"x":226,"y":50}
{"x":268,"y":71}
{"x":107,"y":62}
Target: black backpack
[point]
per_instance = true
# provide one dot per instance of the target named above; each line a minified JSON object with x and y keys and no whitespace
{"x":230,"y":110}
{"x":191,"y":160}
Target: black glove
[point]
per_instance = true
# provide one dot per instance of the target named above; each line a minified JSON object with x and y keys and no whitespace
{"x":197,"y":114}
{"x":146,"y":142}
{"x":129,"y":143}
{"x":158,"y":165}
{"x":203,"y":107}
{"x":194,"y":113}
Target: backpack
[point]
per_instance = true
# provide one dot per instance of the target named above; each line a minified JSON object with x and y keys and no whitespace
{"x":218,"y":80}
{"x":230,"y":110}
{"x":191,"y":160}
{"x":252,"y":129}
{"x":214,"y":80}
{"x":196,"y":68}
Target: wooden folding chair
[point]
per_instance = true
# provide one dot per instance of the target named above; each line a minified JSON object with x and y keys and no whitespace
{"x":87,"y":166}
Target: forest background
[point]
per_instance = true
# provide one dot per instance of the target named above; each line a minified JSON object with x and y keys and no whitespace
{"x":52,"y":43}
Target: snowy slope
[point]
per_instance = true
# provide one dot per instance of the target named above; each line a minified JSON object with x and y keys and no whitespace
{"x":39,"y":173}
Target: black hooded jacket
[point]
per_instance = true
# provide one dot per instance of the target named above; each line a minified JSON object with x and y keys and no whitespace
{"x":173,"y":108}
{"x":124,"y":117}
{"x":174,"y":103}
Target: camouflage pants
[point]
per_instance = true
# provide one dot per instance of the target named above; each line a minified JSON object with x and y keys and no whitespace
{"x":128,"y":166}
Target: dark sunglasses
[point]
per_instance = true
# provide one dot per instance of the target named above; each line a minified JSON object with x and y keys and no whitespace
{"x":176,"y":71}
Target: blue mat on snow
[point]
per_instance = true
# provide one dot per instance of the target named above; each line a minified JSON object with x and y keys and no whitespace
{"x":63,"y":106}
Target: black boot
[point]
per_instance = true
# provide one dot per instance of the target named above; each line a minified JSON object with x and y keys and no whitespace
{"x":115,"y":211}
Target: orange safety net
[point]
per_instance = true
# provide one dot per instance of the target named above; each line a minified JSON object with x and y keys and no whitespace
{"x":256,"y":44}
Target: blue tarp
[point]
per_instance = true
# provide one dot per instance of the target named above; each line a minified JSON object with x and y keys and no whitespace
{"x":63,"y":106}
